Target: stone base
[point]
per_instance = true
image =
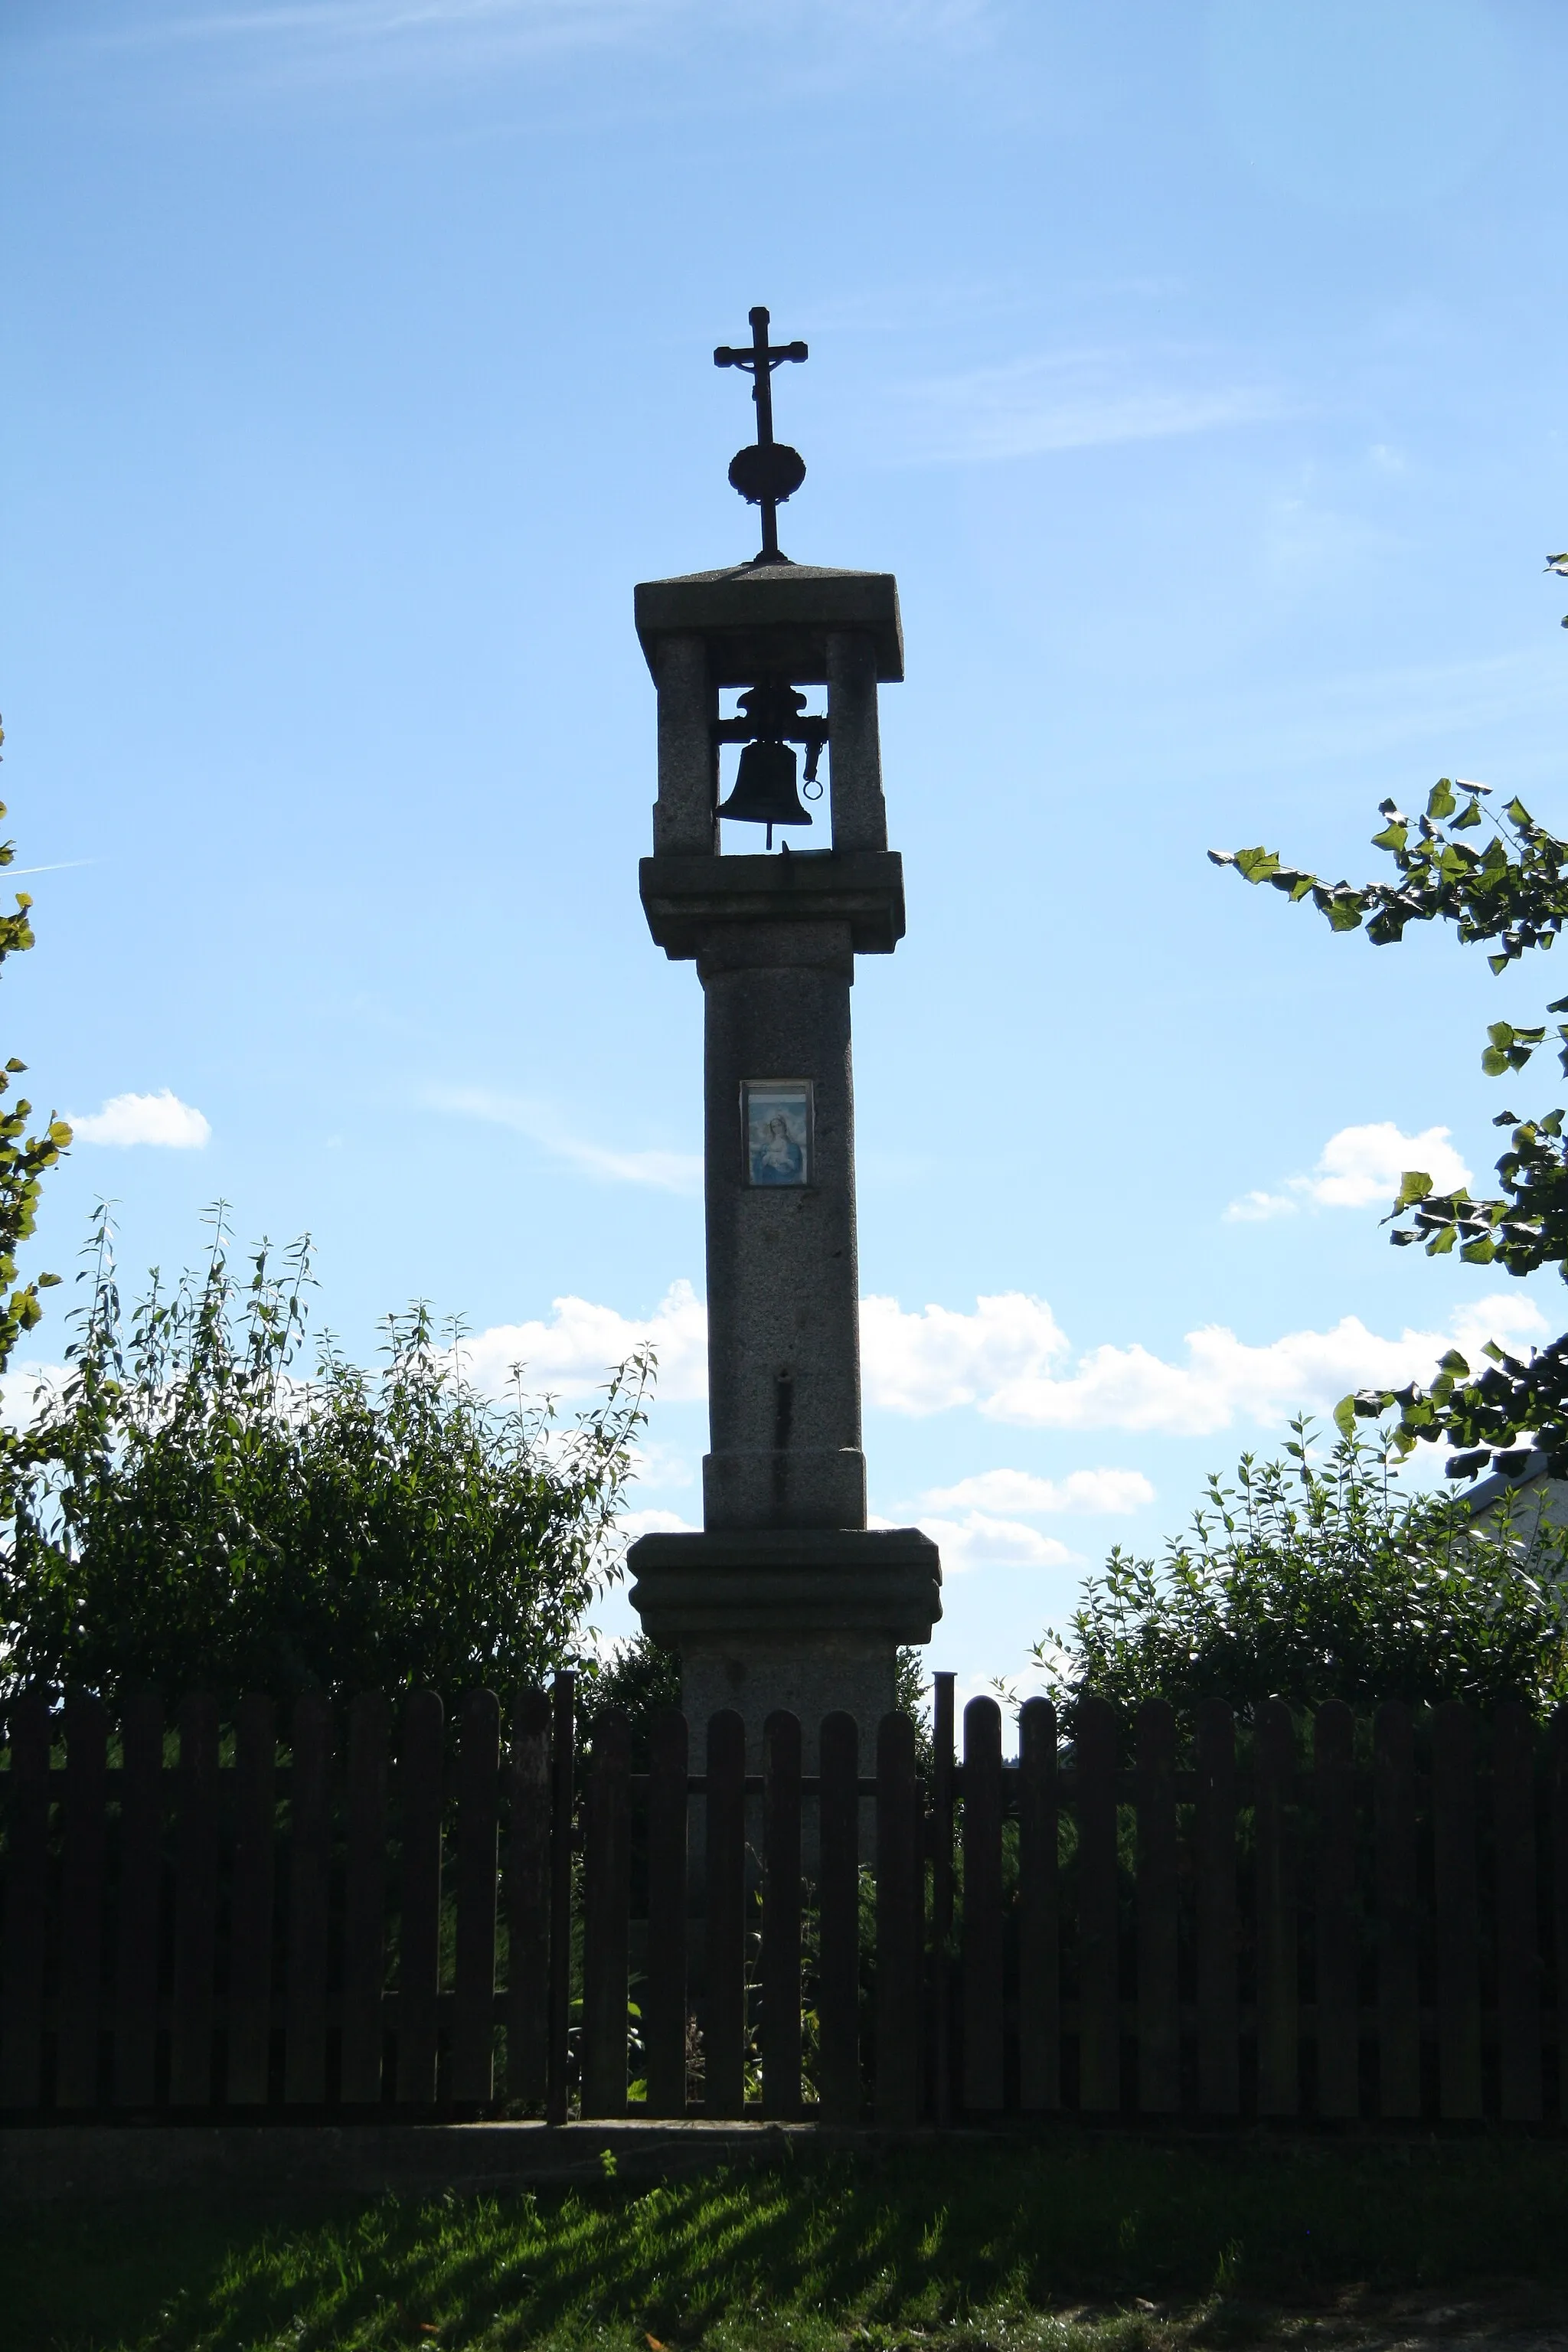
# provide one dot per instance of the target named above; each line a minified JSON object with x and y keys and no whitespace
{"x":808,"y":1619}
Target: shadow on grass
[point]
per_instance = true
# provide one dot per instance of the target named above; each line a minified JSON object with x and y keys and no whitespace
{"x":966,"y":2245}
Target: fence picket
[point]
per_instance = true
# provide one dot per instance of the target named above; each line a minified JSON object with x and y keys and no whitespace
{"x":251,"y":1895}
{"x":982,"y":2014}
{"x":364,"y":1902}
{"x":606,"y":1904}
{"x":664,"y":2001}
{"x":941,"y":1897}
{"x":562,"y":1765}
{"x":419,"y":1951}
{"x":1039,"y":1997}
{"x":81,"y":1903}
{"x":1398,"y":2021}
{"x":1159,"y":2037}
{"x":898,"y":1909}
{"x":780,"y":2022}
{"x":724,"y":2023}
{"x":1454,"y":1887}
{"x":1274,"y":1776}
{"x":1099,"y":1925}
{"x":23,"y":1954}
{"x":196,"y":1905}
{"x":309,"y":1872}
{"x":141,"y":1889}
{"x":1336,"y":1956}
{"x":1558,"y":1833}
{"x":1518,"y":1947}
{"x":473,"y":2001}
{"x":1213,"y":1832}
{"x":528,"y":1901}
{"x":838,"y":1922}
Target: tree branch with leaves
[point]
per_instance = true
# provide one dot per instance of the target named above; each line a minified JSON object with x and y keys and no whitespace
{"x":24,"y":1158}
{"x":1508,"y":893}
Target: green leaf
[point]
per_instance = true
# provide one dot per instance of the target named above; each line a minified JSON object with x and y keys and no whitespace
{"x":1480,"y":1252}
{"x":1517,"y":814}
{"x":1494,"y":1062}
{"x":1443,"y":1241}
{"x":1256,"y":865}
{"x":1393,"y":836}
{"x":1440,"y":801}
{"x":1414,"y":1186}
{"x":1345,"y":1416}
{"x":1454,"y":1362}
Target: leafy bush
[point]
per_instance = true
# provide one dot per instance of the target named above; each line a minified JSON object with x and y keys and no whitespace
{"x":24,"y":1158}
{"x":1307,"y":1583}
{"x":187,"y":1510}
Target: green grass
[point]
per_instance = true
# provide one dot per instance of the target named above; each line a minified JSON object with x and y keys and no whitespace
{"x":1112,"y":2245}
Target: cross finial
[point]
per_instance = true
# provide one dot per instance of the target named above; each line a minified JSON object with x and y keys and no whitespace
{"x":769,"y":472}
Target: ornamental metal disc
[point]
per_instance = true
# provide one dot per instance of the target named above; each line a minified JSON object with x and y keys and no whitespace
{"x":770,"y":472}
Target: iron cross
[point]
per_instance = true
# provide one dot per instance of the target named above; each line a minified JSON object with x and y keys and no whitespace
{"x":769,"y":472}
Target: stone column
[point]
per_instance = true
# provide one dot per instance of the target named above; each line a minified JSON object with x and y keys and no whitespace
{"x":784,"y":1343}
{"x":854,"y":742}
{"x":684,"y":824}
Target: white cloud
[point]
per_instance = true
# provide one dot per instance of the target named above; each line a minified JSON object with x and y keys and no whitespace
{"x":925,"y":1362}
{"x":1069,"y":400}
{"x":1256,"y":1208}
{"x":1020,"y":1492}
{"x":1360,"y":1168}
{"x":667,"y":1172}
{"x":162,"y":1118}
{"x":457,"y":35}
{"x":1010,"y":1360}
{"x":570,"y":1354}
{"x":1363,"y":1165}
{"x":1225,"y":1379}
{"x":980,"y":1540}
{"x":632,"y":1524}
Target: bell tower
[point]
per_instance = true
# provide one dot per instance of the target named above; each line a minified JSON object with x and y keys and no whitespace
{"x":785,"y":1599}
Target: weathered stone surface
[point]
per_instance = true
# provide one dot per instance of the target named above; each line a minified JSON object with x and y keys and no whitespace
{"x":809,"y":1621}
{"x":772,"y":619}
{"x":684,"y":824}
{"x":855,"y":743}
{"x":688,"y":900}
{"x":783,"y":1347}
{"x":795,"y":1584}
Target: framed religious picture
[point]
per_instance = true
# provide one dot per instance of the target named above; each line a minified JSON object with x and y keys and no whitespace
{"x":777,"y":1130}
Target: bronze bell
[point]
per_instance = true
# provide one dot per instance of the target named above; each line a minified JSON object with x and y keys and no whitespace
{"x":766,"y":790}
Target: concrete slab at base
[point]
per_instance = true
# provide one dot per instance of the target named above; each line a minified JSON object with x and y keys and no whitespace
{"x":43,"y":2163}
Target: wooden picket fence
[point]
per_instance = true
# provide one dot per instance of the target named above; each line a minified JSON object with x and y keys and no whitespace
{"x":1334,"y":1920}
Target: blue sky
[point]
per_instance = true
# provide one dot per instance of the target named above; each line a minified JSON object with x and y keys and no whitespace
{"x":1197,"y":368}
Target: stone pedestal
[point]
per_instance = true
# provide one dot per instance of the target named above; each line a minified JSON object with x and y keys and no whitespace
{"x":809,"y":1620}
